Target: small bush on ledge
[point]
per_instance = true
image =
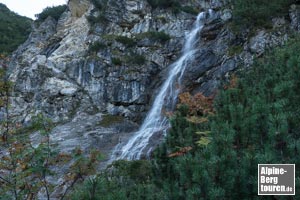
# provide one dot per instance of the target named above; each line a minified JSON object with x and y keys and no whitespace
{"x":159,"y":36}
{"x":134,"y":58}
{"x":100,"y":5}
{"x":156,"y":36}
{"x":96,"y":46}
{"x":190,"y":10}
{"x":116,"y":61}
{"x":97,"y":19}
{"x":174,"y":5}
{"x":128,"y":42}
{"x":109,"y":120}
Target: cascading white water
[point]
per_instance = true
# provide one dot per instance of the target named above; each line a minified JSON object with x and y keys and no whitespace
{"x":155,"y":121}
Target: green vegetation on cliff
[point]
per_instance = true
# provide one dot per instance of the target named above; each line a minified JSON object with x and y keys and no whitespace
{"x":257,"y":13}
{"x":175,"y":5}
{"x":14,"y":29}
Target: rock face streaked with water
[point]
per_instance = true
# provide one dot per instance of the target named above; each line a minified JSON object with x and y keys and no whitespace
{"x":156,"y":122}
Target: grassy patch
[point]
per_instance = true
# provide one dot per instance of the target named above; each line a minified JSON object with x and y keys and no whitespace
{"x":235,"y":49}
{"x":109,"y":120}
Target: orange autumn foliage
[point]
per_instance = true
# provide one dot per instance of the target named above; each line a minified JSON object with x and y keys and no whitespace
{"x":198,"y":104}
{"x":181,"y":152}
{"x":232,"y":83}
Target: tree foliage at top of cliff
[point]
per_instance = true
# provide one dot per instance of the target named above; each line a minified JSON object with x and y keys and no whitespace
{"x":54,"y":11}
{"x":256,"y":13}
{"x":14,"y":30}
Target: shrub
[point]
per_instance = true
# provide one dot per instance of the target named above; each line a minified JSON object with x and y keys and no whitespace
{"x":96,"y":46}
{"x":235,"y":49}
{"x":139,"y":59}
{"x":128,"y":42}
{"x":116,"y":61}
{"x":54,"y":12}
{"x":97,"y":19}
{"x":101,"y":6}
{"x":160,"y":36}
{"x":138,"y":170}
{"x":91,"y":19}
{"x":163,"y":3}
{"x":189,"y":9}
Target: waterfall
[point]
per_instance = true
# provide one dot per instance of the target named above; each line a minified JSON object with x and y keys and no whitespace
{"x":156,"y":122}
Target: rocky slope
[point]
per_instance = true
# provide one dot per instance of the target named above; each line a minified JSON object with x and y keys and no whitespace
{"x":96,"y":70}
